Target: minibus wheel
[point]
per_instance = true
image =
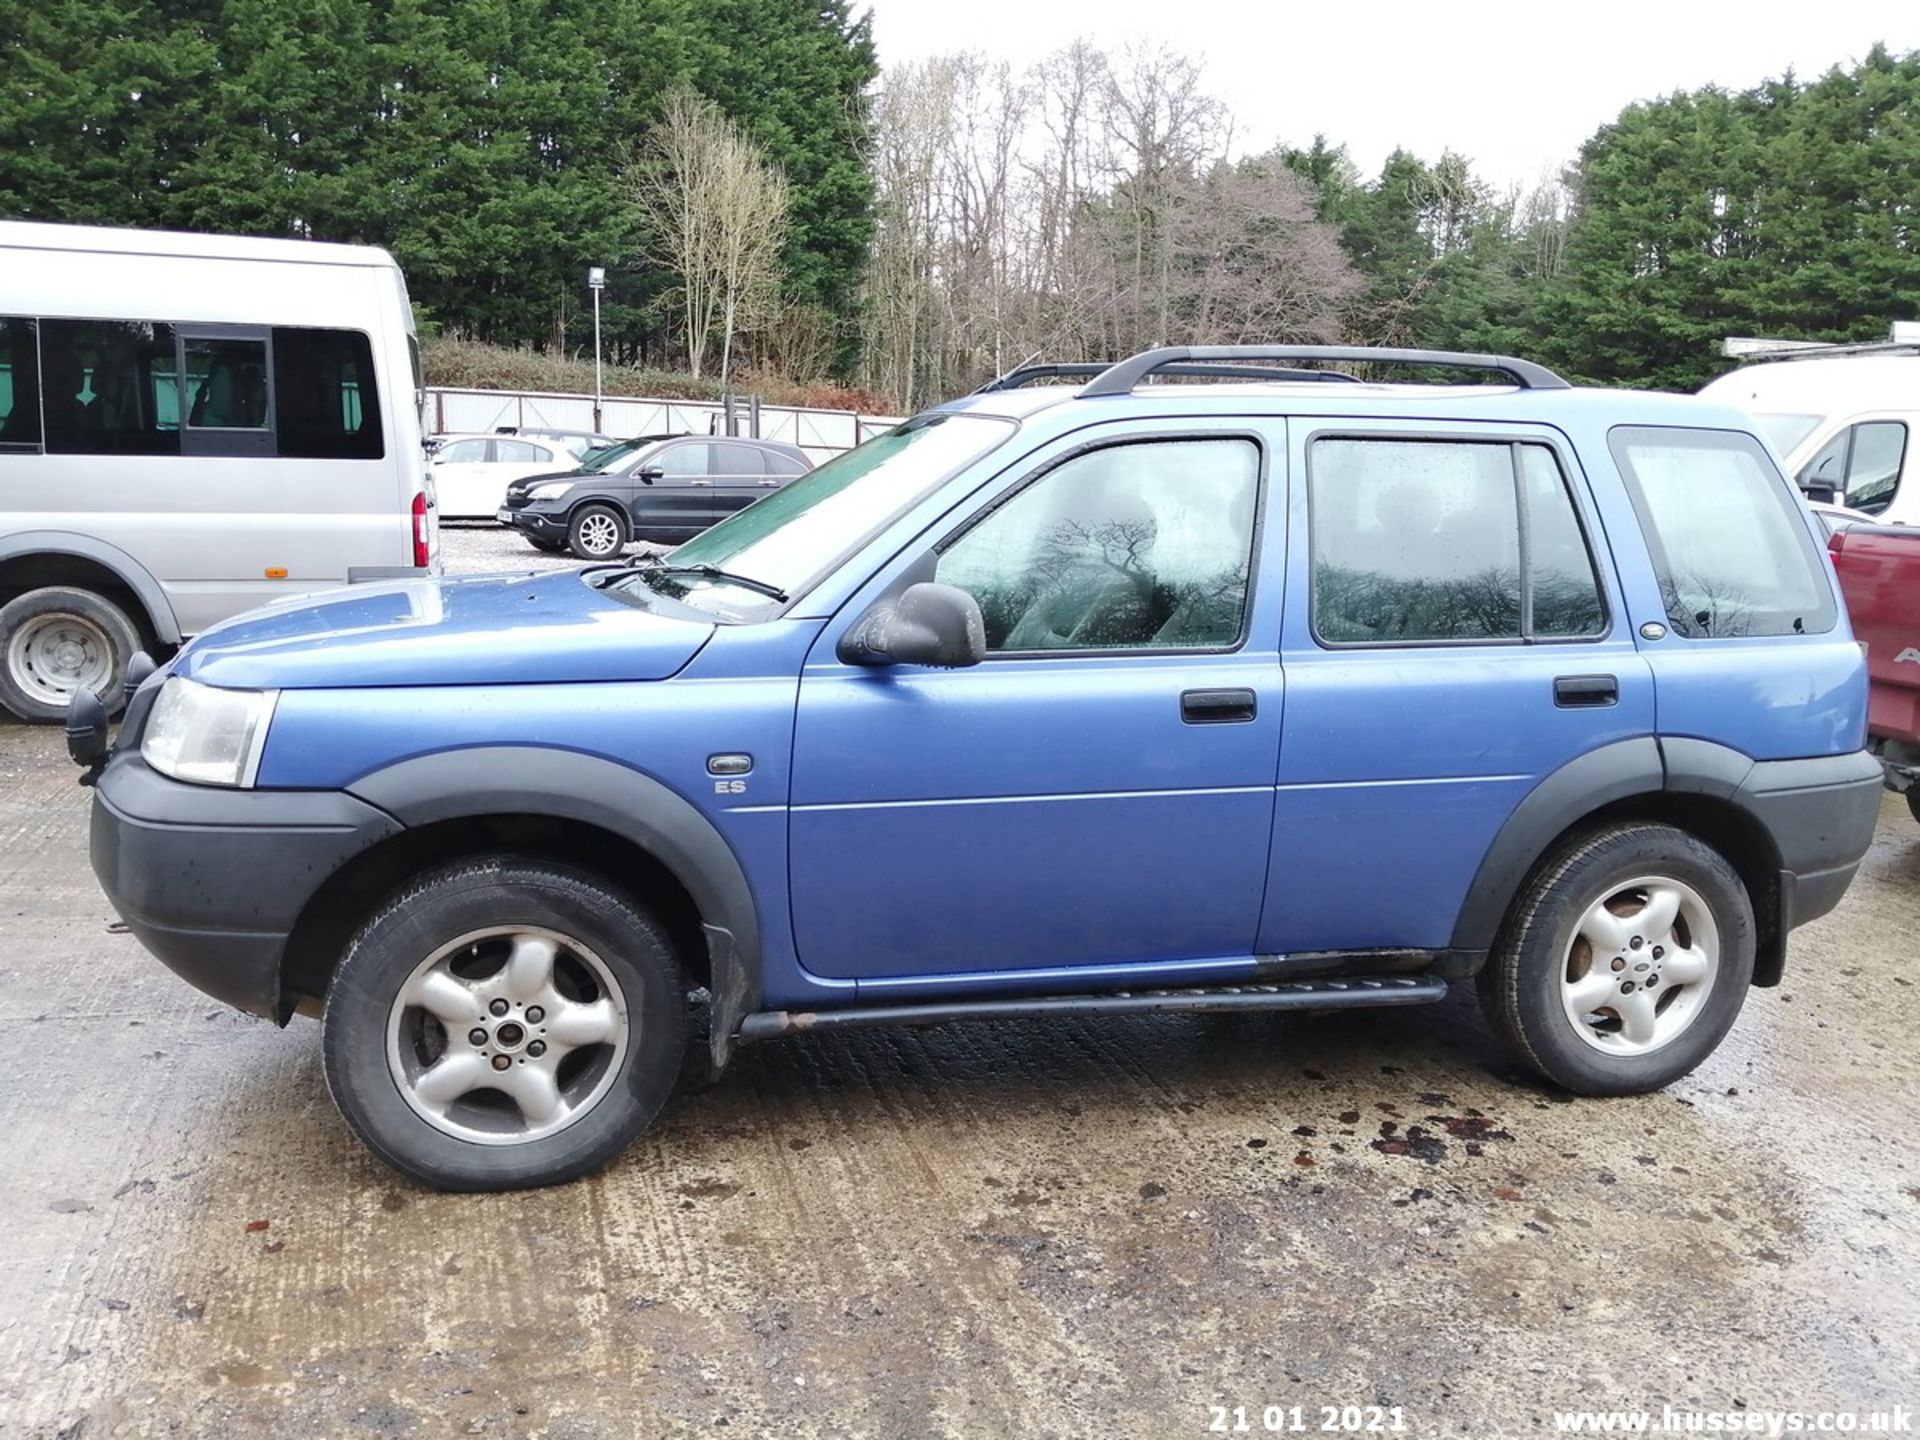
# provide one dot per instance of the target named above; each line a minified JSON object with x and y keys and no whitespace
{"x":56,"y":639}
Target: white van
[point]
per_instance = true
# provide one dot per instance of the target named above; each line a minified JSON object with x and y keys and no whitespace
{"x":1844,"y":423}
{"x":190,"y":426}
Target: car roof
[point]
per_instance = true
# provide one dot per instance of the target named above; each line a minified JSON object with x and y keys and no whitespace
{"x":1499,"y":403}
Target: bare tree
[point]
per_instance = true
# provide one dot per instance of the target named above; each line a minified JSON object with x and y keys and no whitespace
{"x":716,"y":212}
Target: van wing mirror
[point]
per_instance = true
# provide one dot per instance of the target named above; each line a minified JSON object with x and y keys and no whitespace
{"x":1821,"y":491}
{"x":928,"y":624}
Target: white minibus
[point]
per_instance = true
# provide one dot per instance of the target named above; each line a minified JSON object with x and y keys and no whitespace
{"x":190,"y":426}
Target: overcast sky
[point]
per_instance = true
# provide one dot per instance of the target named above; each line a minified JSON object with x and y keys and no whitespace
{"x":1515,"y":87}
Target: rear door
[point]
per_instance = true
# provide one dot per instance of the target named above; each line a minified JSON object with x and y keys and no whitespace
{"x":460,"y":478}
{"x":739,"y":477}
{"x":1453,"y":636}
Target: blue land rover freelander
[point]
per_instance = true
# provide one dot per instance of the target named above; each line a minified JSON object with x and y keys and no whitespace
{"x":1201,"y":682}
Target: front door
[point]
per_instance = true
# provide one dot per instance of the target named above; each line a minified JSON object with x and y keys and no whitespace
{"x":674,"y":493}
{"x":1451,"y":640}
{"x":1099,"y":791}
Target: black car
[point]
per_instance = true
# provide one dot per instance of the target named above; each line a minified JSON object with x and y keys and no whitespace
{"x":664,"y":489}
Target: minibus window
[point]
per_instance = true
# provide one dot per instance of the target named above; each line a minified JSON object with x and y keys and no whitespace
{"x":324,"y":391}
{"x":226,"y":384}
{"x":19,"y":385}
{"x":108,"y":387}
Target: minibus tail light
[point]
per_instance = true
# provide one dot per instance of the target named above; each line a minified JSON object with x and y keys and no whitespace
{"x":422,"y":541}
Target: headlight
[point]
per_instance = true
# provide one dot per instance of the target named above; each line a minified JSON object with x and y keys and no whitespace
{"x":552,"y":490}
{"x":207,"y":736}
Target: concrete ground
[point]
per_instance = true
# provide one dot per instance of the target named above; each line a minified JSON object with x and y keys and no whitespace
{"x":1035,"y":1229}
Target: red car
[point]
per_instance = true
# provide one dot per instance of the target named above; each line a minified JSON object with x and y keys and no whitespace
{"x":1879,"y":568}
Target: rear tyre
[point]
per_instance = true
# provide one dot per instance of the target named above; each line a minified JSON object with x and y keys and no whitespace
{"x":56,"y":639}
{"x":504,"y":1023}
{"x":1913,"y":803}
{"x":1624,"y":961}
{"x":597,"y":532}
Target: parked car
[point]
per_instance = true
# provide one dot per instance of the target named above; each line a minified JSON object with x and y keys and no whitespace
{"x":1879,"y":570}
{"x":577,"y":443}
{"x":471,"y":472}
{"x":670,"y":490}
{"x":1842,"y":422}
{"x":1051,"y":701}
{"x":190,"y":426}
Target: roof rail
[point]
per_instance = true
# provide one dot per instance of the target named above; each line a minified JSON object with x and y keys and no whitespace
{"x":1780,"y":354}
{"x":1122,"y":378}
{"x":1087,"y":370}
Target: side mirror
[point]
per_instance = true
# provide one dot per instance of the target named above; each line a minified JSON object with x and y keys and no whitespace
{"x":929,"y":624}
{"x":1820,"y":491}
{"x":647,"y":474}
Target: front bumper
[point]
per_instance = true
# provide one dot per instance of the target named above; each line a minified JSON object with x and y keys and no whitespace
{"x":535,"y":519}
{"x":215,"y":888}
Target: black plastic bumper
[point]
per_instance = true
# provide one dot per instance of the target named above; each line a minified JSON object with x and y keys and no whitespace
{"x":1820,"y":813}
{"x":215,"y":888}
{"x":548,"y":525}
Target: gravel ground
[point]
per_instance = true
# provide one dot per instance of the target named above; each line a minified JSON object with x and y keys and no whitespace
{"x":1074,"y":1227}
{"x":476,"y":549}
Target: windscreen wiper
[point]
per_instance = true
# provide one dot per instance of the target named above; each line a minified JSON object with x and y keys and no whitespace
{"x":653,"y":565}
{"x":714,"y":572}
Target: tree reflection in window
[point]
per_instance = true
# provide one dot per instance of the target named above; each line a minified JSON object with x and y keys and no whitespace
{"x":1142,"y":546}
{"x":1421,"y":541}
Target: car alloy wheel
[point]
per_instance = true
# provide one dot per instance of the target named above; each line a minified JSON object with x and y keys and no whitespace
{"x":508,"y":1034}
{"x":1640,"y":965}
{"x":599,"y":534}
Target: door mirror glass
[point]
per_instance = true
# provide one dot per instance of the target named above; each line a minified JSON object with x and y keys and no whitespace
{"x":936,"y":625}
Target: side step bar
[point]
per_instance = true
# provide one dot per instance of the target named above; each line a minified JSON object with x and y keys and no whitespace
{"x":1349,"y":993}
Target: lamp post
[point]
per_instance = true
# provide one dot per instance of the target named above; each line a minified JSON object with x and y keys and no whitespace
{"x":596,"y":282}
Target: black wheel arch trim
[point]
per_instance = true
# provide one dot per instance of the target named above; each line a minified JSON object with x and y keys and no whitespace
{"x":1584,"y":784}
{"x":1816,"y":815}
{"x":566,"y":784}
{"x":135,"y":576}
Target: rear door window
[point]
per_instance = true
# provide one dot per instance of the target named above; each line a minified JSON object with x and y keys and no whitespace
{"x":1730,"y":548}
{"x":738,"y":461}
{"x":1437,"y":541}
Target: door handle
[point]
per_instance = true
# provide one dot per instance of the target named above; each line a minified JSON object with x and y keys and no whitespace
{"x":1577,"y":692}
{"x":1217,"y":707}
{"x":767,"y":484}
{"x":700,"y":482}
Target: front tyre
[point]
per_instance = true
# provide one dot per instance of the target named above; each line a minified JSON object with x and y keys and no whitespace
{"x":54,"y":641}
{"x":502,"y":1024}
{"x":1625,"y":960}
{"x":596,"y":532}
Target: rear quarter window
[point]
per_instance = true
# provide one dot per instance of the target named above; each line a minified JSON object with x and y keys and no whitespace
{"x":1730,"y":550}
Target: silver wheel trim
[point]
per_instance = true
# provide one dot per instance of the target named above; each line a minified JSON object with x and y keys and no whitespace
{"x":1640,"y":966}
{"x":52,"y":656}
{"x":599,"y":534}
{"x":551,"y":1026}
